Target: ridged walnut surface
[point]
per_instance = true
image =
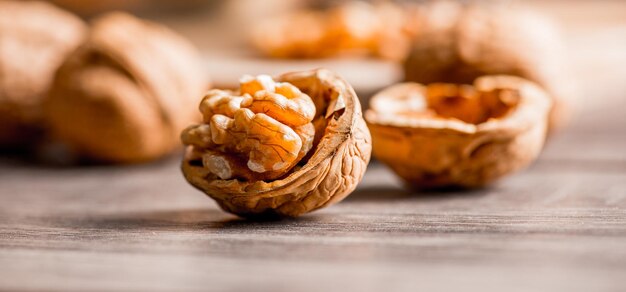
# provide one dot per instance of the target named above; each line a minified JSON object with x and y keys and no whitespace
{"x":458,"y":44}
{"x":430,"y":151}
{"x":330,"y":174}
{"x":127,"y":92}
{"x":35,"y":38}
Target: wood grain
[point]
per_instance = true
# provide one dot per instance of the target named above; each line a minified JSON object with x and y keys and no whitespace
{"x":558,"y":226}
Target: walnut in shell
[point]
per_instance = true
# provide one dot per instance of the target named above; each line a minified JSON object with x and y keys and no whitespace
{"x":35,"y":38}
{"x":283,"y":146}
{"x":127,"y":92}
{"x":457,"y":44}
{"x":445,"y":135}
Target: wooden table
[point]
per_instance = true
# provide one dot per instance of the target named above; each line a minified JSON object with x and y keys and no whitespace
{"x":558,"y":226}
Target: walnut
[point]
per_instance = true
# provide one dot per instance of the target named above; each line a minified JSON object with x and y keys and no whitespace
{"x":127,"y":92}
{"x":444,"y":135}
{"x":283,"y":146}
{"x":354,"y":28}
{"x":457,"y":44}
{"x":267,"y":123}
{"x":35,"y":37}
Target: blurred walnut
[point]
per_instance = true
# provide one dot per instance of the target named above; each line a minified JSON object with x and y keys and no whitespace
{"x":35,"y":37}
{"x":459,"y":44}
{"x":444,"y":135}
{"x":127,"y":92}
{"x":283,"y":147}
{"x":353,"y":28}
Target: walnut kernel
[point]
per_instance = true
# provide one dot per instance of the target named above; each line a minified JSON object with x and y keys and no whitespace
{"x":259,"y":132}
{"x":353,"y":28}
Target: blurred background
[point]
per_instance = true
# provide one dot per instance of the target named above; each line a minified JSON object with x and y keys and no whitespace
{"x":594,"y":33}
{"x":237,"y":37}
{"x":234,"y":38}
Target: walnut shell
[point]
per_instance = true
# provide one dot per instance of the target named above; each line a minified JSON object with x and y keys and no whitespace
{"x":127,"y":92}
{"x":445,"y":135}
{"x":461,"y":43}
{"x":333,"y":170}
{"x":35,"y":38}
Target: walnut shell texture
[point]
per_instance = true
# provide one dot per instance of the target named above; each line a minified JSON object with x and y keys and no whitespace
{"x":431,"y":151}
{"x":458,"y":44}
{"x":35,"y":38}
{"x":127,"y":92}
{"x":333,"y":170}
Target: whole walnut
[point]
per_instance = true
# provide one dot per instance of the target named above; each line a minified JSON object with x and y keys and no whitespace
{"x":127,"y":92}
{"x":457,"y":44}
{"x":35,"y":38}
{"x":458,"y":135}
{"x":284,"y":146}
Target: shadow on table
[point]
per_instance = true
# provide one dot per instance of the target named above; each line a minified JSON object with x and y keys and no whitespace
{"x":182,"y":220}
{"x":151,"y":220}
{"x":216,"y":219}
{"x":391,"y":193}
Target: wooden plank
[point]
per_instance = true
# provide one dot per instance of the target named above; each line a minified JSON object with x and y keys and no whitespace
{"x":151,"y":225}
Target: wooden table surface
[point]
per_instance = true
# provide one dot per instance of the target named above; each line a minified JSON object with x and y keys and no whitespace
{"x":558,"y":226}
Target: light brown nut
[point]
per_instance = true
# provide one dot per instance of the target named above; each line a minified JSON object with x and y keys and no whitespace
{"x":285,"y":103}
{"x":272,"y":147}
{"x":269,"y":124}
{"x":461,"y":43}
{"x":35,"y":38}
{"x":334,"y":148}
{"x":445,"y":135}
{"x":127,"y":92}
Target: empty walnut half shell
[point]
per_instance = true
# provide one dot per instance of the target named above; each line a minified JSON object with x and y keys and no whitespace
{"x":35,"y":38}
{"x":283,"y":146}
{"x":472,"y":41}
{"x":445,"y":135}
{"x":127,"y":92}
